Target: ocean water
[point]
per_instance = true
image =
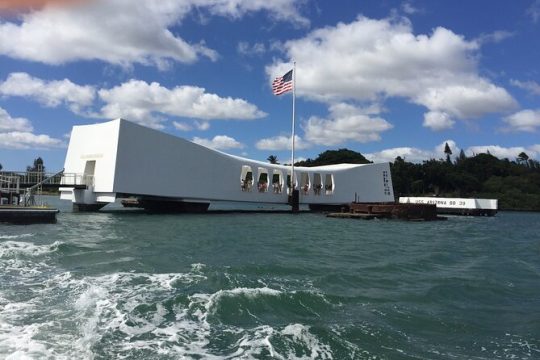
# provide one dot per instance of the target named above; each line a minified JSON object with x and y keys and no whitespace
{"x":127,"y":285}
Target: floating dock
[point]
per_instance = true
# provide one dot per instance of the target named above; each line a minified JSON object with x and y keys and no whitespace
{"x":369,"y":211}
{"x":27,"y":215}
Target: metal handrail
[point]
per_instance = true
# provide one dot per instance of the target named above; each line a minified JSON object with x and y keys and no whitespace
{"x":9,"y":183}
{"x":32,"y":182}
{"x":44,"y":181}
{"x":59,"y":178}
{"x":77,"y":179}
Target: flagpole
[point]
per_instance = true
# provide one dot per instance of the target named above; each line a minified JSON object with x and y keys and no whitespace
{"x":295,"y":194}
{"x":293,"y":116}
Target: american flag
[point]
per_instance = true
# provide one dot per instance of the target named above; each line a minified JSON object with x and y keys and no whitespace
{"x":282,"y":84}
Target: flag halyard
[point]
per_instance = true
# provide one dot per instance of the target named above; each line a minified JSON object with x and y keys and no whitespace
{"x":283,"y":84}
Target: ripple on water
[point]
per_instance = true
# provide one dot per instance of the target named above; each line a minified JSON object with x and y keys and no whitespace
{"x":119,"y":287}
{"x":140,"y":314}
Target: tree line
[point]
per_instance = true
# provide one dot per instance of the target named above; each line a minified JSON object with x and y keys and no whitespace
{"x":515,"y":183}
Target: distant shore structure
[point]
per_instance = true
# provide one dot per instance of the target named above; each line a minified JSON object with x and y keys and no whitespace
{"x":457,"y":206}
{"x":120,"y":159}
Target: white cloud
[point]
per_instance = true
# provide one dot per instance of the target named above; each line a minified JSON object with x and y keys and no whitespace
{"x":220,"y":142}
{"x":418,"y":155}
{"x":182,"y":126}
{"x":202,"y":125}
{"x":370,"y":60}
{"x":124,"y":32}
{"x":437,"y":120}
{"x":439,"y":149}
{"x":282,"y":142}
{"x":48,"y":93}
{"x":16,"y":133}
{"x":531,"y":86}
{"x":467,"y":102}
{"x":7,"y":123}
{"x":282,"y":10}
{"x":147,"y":103}
{"x":534,"y":11}
{"x":407,"y":153}
{"x":408,"y":8}
{"x":525,"y":120}
{"x":346,"y":123}
{"x":92,"y":31}
{"x":534,"y":149}
{"x":26,"y":140}
{"x":495,"y":37}
{"x":412,"y":154}
{"x":244,"y":48}
{"x":502,"y":152}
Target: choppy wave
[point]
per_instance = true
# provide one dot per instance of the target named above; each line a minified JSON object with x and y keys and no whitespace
{"x":140,"y":314}
{"x":23,"y":262}
{"x":10,"y":249}
{"x":183,"y":325}
{"x":2,"y":237}
{"x":410,"y":294}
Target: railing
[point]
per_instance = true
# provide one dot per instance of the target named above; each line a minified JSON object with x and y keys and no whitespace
{"x":31,"y":183}
{"x":9,"y":184}
{"x":30,"y":178}
{"x":37,"y":189}
{"x":71,"y":179}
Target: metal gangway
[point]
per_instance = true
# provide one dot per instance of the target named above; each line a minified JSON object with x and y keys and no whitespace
{"x":30,"y":184}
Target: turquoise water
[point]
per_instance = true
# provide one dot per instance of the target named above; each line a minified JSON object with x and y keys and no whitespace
{"x":119,"y":284}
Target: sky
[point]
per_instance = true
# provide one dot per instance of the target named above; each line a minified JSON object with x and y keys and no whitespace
{"x":382,"y":77}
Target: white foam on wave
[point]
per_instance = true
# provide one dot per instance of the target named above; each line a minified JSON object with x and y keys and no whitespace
{"x":132,"y":314}
{"x":255,"y":342}
{"x":198,"y":267}
{"x":17,"y":340}
{"x":250,"y":293}
{"x":260,"y":340}
{"x":83,"y":309}
{"x":294,"y":341}
{"x":15,"y":236}
{"x":90,"y":306}
{"x":113,"y":302}
{"x":18,"y":248}
{"x":300,"y":334}
{"x":24,"y":261}
{"x":109,"y":304}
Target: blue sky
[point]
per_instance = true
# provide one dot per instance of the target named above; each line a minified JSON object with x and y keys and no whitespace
{"x":384,"y":78}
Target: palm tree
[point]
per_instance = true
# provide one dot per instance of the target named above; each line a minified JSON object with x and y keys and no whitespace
{"x":272,"y":159}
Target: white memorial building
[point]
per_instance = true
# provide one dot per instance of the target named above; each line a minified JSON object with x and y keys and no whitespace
{"x":120,"y":159}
